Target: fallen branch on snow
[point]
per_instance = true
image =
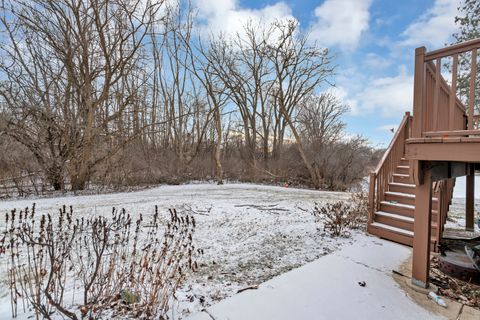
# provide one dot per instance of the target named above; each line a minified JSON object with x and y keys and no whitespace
{"x":247,"y":288}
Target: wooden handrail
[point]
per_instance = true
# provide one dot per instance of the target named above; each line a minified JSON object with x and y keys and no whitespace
{"x":454,"y":49}
{"x":382,"y":175}
{"x":392,"y":142}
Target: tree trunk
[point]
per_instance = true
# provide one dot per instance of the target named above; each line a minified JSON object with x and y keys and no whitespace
{"x":80,"y":179}
{"x":311,"y":170}
{"x":55,"y":178}
{"x":218,"y":146}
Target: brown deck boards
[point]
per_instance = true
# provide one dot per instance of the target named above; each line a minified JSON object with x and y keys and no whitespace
{"x":448,"y":149}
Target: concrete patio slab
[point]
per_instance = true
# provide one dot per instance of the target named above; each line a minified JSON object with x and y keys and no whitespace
{"x":328,"y":288}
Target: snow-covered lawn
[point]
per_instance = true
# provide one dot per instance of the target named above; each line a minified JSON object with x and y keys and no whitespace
{"x":249,"y":233}
{"x":456,"y":214}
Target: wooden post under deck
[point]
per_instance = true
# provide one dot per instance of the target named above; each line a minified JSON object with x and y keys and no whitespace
{"x":470,"y":200}
{"x":421,"y":230}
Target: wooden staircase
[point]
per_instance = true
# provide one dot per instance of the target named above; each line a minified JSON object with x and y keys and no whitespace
{"x":392,"y":195}
{"x":395,"y":217}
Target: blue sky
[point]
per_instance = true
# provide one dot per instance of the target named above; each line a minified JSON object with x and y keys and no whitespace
{"x":373,"y":41}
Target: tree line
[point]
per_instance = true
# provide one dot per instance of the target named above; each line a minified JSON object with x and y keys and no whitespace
{"x":128,"y":92}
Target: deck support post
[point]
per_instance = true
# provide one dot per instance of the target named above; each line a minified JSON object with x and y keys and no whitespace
{"x":422,"y":229}
{"x":470,"y":199}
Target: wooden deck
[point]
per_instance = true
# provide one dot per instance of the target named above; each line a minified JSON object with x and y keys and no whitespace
{"x":445,"y":140}
{"x":439,"y":142}
{"x":462,"y":149}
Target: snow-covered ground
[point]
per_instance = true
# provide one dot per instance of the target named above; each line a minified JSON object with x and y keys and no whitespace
{"x":460,"y":187}
{"x":456,"y":214}
{"x":328,"y":289}
{"x":249,"y":233}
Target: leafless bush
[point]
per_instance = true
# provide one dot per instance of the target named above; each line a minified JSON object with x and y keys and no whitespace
{"x":334,"y":217}
{"x":96,"y":267}
{"x":341,"y":216}
{"x":358,"y":210}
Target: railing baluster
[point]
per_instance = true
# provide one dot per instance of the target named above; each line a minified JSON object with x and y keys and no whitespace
{"x":453,"y":94}
{"x":471,"y":97}
{"x":436,"y":97}
{"x":371,"y":198}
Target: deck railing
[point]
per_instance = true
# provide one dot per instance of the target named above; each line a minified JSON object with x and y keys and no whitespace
{"x":382,"y":175}
{"x":438,"y":112}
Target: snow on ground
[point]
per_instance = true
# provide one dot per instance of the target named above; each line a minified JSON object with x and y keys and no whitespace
{"x":249,"y":233}
{"x":328,"y":289}
{"x":460,"y":187}
{"x":456,"y":214}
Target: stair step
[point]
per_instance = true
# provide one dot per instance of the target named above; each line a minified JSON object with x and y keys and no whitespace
{"x":407,"y":195}
{"x":401,"y":178}
{"x":397,"y":208}
{"x":403,"y":169}
{"x":400,"y":197}
{"x":392,"y":229}
{"x":406,"y":198}
{"x":401,"y":187}
{"x":394,"y":220}
{"x":395,"y":216}
{"x":398,"y":205}
{"x":400,"y":194}
{"x":403,"y":209}
{"x":395,"y":234}
{"x":398,"y":220}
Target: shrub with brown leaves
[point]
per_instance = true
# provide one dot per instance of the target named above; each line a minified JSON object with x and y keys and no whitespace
{"x":340,"y":216}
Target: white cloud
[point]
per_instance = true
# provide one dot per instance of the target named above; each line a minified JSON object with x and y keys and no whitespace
{"x":389,"y":96}
{"x":341,"y":22}
{"x":376,"y":61}
{"x":227,"y":17}
{"x":433,"y":28}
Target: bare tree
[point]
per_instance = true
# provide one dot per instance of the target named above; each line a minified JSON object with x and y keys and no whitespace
{"x":246,"y":73}
{"x":124,"y":92}
{"x":181,"y":105}
{"x":320,"y":119}
{"x":67,"y":61}
{"x":300,"y":68}
{"x":202,"y":66}
{"x":320,"y":125}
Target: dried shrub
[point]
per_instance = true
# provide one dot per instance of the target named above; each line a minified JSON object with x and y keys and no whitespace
{"x":334,"y":217}
{"x":96,"y":267}
{"x":358,"y":213}
{"x":341,"y":216}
